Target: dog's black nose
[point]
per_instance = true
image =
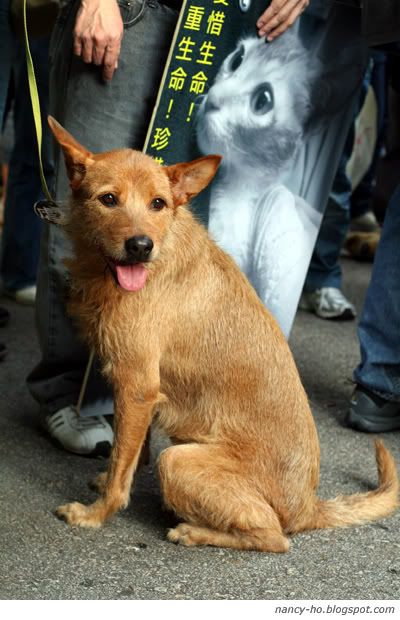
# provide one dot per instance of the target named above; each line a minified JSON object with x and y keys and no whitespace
{"x":139,"y":247}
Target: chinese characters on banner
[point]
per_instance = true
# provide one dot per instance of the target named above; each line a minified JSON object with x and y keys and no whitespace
{"x":194,"y":54}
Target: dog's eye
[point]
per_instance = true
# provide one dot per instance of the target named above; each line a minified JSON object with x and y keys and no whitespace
{"x":158,"y":204}
{"x":108,"y":200}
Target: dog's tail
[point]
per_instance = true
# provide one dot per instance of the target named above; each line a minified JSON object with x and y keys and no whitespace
{"x":347,"y":510}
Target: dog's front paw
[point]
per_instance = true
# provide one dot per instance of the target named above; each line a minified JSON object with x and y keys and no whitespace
{"x":78,"y":514}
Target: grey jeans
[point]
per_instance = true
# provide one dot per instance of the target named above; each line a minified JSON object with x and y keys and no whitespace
{"x":102,"y":116}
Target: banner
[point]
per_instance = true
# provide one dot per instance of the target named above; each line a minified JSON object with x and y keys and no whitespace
{"x":278,"y":113}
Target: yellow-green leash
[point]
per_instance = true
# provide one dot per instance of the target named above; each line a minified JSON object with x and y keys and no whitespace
{"x":35,"y":105}
{"x":45,"y":210}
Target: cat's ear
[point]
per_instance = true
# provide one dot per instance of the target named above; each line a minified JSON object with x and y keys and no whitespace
{"x":189,"y":179}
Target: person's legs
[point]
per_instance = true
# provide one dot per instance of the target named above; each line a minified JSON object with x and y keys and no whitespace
{"x":322,"y":287}
{"x":101,"y":116}
{"x":21,"y":232}
{"x":376,"y":403}
{"x":6,"y":56}
{"x":325,"y":270}
{"x":361,"y":210}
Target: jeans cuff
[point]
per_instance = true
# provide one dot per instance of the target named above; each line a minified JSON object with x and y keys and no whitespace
{"x":392,"y":398}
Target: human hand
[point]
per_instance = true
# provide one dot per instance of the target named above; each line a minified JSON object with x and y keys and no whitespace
{"x":279,"y":16}
{"x":98,"y":34}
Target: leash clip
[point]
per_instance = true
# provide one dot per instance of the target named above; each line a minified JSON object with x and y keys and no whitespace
{"x":49,"y":211}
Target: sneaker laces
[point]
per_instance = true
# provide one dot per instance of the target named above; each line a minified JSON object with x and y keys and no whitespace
{"x":83,"y":423}
{"x":79,"y":423}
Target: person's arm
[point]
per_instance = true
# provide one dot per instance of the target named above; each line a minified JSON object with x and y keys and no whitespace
{"x":98,"y":34}
{"x":279,"y":16}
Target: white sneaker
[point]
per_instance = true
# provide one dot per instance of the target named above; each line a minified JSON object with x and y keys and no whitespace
{"x":328,"y":303}
{"x":81,"y":435}
{"x":25,"y":296}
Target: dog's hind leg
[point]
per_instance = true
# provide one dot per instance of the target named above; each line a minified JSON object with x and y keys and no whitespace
{"x":264,"y":539}
{"x":207,"y":488}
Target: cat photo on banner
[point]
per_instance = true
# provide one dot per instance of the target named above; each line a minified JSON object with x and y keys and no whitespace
{"x":255,"y":115}
{"x":266,"y":100}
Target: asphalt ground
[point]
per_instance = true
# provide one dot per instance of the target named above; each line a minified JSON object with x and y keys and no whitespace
{"x":130,"y":558}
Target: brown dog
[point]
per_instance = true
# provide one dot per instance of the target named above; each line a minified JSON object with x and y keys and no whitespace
{"x":184,"y":339}
{"x":362,"y":245}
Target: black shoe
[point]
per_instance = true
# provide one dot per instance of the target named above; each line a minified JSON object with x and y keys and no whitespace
{"x":3,"y":351}
{"x":4,"y":316}
{"x":371,"y":413}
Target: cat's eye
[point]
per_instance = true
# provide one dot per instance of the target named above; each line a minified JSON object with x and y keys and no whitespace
{"x":262,"y":99}
{"x":236,"y":59}
{"x":108,"y":200}
{"x":158,"y":203}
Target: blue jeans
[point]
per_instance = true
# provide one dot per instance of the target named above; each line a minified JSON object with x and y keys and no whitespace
{"x":379,"y":328}
{"x":22,"y":228}
{"x":102,"y":116}
{"x":362,"y":195}
{"x":324,"y":269}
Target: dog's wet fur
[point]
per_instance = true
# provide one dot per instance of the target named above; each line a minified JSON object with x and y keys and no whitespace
{"x":187,"y":344}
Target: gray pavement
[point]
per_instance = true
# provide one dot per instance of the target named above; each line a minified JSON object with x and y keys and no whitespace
{"x":42,"y":558}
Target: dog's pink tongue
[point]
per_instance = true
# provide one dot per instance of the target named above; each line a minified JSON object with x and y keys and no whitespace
{"x":131,"y":277}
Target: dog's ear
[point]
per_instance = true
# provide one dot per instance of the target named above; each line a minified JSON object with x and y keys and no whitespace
{"x":77,"y":158}
{"x":188,"y":179}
